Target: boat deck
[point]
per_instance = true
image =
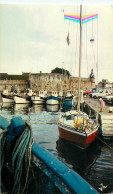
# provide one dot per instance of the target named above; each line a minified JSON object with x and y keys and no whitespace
{"x":105,"y":118}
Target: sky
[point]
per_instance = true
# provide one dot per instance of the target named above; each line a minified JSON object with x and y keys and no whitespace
{"x":33,"y":38}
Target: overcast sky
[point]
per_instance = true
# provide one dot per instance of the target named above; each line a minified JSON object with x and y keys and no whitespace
{"x":33,"y":38}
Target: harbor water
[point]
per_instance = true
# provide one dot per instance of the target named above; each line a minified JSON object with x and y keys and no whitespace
{"x":94,"y":164}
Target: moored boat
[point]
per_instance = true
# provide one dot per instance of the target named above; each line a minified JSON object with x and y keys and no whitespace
{"x":37,"y":99}
{"x":40,"y":99}
{"x":21,"y":155}
{"x":75,"y":126}
{"x":7,"y":98}
{"x":22,"y":99}
{"x":53,"y":99}
{"x":68,"y":99}
{"x":77,"y":129}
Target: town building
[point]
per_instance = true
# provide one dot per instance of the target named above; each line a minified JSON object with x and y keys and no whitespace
{"x":105,"y":84}
{"x":44,"y":81}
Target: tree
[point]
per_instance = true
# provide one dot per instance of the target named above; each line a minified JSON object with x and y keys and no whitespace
{"x":61,"y":71}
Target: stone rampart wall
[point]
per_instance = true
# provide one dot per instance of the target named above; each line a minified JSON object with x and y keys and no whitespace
{"x":20,"y":84}
{"x":49,"y":82}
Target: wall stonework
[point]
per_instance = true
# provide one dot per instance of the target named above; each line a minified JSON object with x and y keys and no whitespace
{"x":48,"y":81}
{"x":52,"y":81}
{"x":20,"y":84}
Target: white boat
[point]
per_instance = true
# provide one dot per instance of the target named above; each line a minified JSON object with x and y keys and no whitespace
{"x":53,"y":99}
{"x":7,"y":97}
{"x":40,"y":99}
{"x":75,"y":126}
{"x":24,"y":98}
{"x":21,"y":99}
{"x":37,"y":100}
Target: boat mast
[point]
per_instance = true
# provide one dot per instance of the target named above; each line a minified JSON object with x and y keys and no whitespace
{"x":80,"y":59}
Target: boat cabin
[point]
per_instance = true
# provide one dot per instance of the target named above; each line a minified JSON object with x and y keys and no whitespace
{"x":54,"y":93}
{"x":43,"y":93}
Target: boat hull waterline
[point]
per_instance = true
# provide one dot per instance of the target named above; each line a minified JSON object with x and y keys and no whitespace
{"x":52,"y":100}
{"x":82,"y":140}
{"x":7,"y":100}
{"x":21,"y":100}
{"x":37,"y":100}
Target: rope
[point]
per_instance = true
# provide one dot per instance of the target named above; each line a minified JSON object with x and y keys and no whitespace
{"x":21,"y":153}
{"x":104,"y":143}
{"x":20,"y":157}
{"x":2,"y":140}
{"x":29,"y":162}
{"x":92,"y":116}
{"x":97,"y":53}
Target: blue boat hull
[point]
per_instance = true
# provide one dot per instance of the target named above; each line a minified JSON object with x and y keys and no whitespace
{"x":53,"y":175}
{"x":67,"y":102}
{"x":52,"y":100}
{"x":65,"y":178}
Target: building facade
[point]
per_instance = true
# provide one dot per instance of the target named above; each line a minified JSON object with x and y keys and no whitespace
{"x":105,"y":84}
{"x":44,"y":81}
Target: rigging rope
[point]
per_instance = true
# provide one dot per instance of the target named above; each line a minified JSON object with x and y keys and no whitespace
{"x":97,"y":53}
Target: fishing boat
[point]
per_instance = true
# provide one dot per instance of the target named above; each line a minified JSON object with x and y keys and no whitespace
{"x":7,"y":98}
{"x":19,"y":99}
{"x":23,"y":98}
{"x":75,"y":126}
{"x":40,"y":99}
{"x":53,"y":99}
{"x":68,"y":99}
{"x":26,"y":167}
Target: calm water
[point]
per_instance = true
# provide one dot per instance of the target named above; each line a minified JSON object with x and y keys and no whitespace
{"x":95,"y":164}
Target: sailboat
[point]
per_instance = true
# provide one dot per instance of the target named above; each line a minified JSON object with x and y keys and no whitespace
{"x":76,"y":126}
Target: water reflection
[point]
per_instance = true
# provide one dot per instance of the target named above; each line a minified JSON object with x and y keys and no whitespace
{"x":66,"y":108}
{"x":95,"y":164}
{"x":7,"y":105}
{"x":79,"y":159}
{"x":52,"y":108}
{"x":20,"y":106}
{"x":37,"y":107}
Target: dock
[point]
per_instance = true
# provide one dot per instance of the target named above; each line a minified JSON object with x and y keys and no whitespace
{"x":105,"y":118}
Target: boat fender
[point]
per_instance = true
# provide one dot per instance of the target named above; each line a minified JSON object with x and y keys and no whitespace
{"x":3,"y":123}
{"x":16,"y":128}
